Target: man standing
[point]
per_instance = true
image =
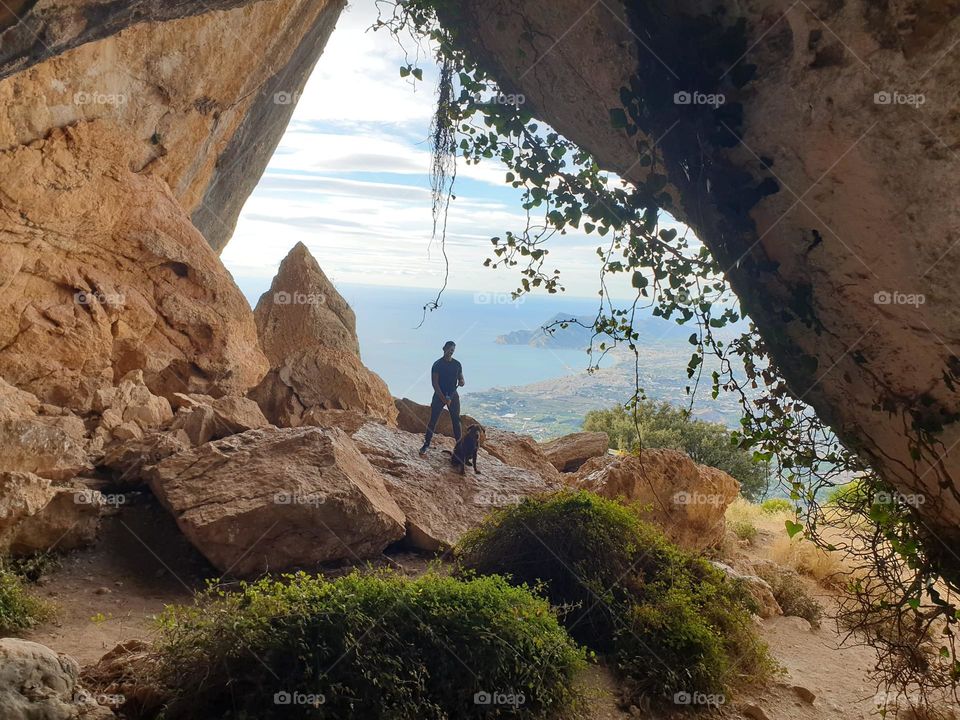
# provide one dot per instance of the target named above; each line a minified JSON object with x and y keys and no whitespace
{"x":446,"y":375}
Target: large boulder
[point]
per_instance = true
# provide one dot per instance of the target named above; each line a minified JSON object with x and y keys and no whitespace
{"x":37,"y":683}
{"x":38,"y":516}
{"x":274,"y":499}
{"x":302,"y":308}
{"x":439,"y":503}
{"x":685,"y":499}
{"x":520,"y":451}
{"x":308,"y":332}
{"x":203,"y":418}
{"x":414,"y":417}
{"x":569,"y":452}
{"x":37,"y":445}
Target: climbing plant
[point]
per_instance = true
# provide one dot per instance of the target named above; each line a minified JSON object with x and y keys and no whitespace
{"x":898,"y":593}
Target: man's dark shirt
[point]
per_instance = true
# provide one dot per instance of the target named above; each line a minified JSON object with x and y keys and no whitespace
{"x":449,"y":372}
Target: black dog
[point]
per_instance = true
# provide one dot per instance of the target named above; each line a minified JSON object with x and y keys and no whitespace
{"x":465,"y":451}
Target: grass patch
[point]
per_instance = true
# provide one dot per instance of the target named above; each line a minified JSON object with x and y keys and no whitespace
{"x":19,"y":609}
{"x":368,"y":645}
{"x":671,"y":622}
{"x":777,"y":506}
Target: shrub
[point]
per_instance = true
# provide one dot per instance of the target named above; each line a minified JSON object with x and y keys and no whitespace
{"x":19,"y":610}
{"x":664,"y":426}
{"x":373,"y":646}
{"x":670,"y":621}
{"x":774,"y":506}
{"x":744,"y":530}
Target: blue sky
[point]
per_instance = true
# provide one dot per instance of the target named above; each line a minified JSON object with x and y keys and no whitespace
{"x":350,"y":180}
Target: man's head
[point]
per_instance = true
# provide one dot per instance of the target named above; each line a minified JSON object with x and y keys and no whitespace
{"x":448,"y":347}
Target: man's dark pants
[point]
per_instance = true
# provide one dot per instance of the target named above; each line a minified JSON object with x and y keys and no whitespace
{"x":436,"y":407}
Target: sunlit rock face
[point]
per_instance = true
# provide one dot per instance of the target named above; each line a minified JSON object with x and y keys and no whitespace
{"x":823,"y":182}
{"x":124,"y":163}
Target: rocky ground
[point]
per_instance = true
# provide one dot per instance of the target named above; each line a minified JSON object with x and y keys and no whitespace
{"x":111,"y":592}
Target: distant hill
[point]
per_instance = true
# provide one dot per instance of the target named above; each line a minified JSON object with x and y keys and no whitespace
{"x":574,"y":336}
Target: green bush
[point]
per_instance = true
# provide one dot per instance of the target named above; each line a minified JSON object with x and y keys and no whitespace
{"x":777,"y":505}
{"x":372,"y":646}
{"x":664,"y":426}
{"x":744,"y":530}
{"x":19,"y":610}
{"x":670,"y":621}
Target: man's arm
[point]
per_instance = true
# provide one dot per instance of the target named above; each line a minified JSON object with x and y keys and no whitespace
{"x":460,"y":379}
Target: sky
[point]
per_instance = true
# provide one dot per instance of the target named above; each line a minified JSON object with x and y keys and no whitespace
{"x":350,"y":179}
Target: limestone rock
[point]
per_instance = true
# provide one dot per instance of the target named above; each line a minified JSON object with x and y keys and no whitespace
{"x":414,"y":417}
{"x":127,"y":460}
{"x":520,"y":451}
{"x":439,"y":503}
{"x":37,"y":445}
{"x":15,"y":403}
{"x":129,"y":409}
{"x":347,"y":420}
{"x":309,"y":334}
{"x":758,"y":588}
{"x":302,"y":309}
{"x":114,"y":278}
{"x":215,"y":418}
{"x":38,"y":516}
{"x":37,"y":683}
{"x":569,"y":452}
{"x":274,"y":499}
{"x":322,"y":378}
{"x":685,"y":499}
{"x":829,"y":207}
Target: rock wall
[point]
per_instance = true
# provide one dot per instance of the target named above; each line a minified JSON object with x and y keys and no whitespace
{"x":112,"y":156}
{"x":822,"y":185}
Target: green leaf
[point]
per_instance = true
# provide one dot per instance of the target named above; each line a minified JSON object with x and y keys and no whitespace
{"x":793,"y":528}
{"x":404,"y":71}
{"x":639,"y":280}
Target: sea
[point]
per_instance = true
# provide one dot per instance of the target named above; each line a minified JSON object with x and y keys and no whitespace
{"x":400,"y":335}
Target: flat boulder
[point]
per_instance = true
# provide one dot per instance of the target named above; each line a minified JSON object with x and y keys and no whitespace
{"x":37,"y":683}
{"x":275,"y":499}
{"x":440,"y":504}
{"x":569,"y":452}
{"x":203,"y":418}
{"x":686,"y":499}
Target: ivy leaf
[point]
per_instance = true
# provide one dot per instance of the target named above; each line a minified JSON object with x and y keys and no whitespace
{"x":793,"y":528}
{"x":405,"y":71}
{"x":639,"y":280}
